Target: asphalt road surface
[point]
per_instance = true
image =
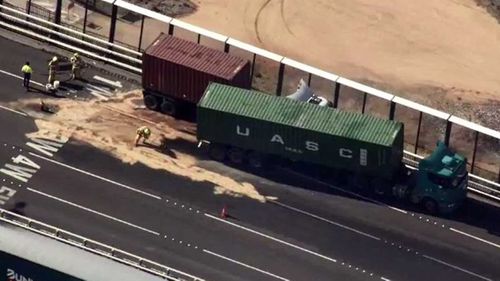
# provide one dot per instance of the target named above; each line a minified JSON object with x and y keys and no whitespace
{"x":313,"y":231}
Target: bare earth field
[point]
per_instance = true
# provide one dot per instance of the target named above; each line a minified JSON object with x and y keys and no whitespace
{"x":442,"y":53}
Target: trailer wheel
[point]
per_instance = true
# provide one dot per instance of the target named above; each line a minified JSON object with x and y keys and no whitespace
{"x":255,"y":159}
{"x":217,"y":152}
{"x":430,"y":206}
{"x":235,"y":155}
{"x":168,"y":107}
{"x":151,"y":102}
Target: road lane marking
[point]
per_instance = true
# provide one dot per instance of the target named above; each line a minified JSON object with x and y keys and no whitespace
{"x":272,"y":238}
{"x":96,"y":176}
{"x":325,"y":220}
{"x":92,"y":211}
{"x":21,"y":78}
{"x":13,"y":110}
{"x":344,"y":190}
{"x":116,"y":84}
{"x":457,"y":268}
{"x":474,"y":237}
{"x":385,"y":279}
{"x":245,"y":265}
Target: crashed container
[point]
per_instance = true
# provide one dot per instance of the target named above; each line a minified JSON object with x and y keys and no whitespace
{"x":176,"y":71}
{"x":256,"y":122}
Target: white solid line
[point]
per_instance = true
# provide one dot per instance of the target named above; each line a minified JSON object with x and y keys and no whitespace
{"x":13,"y":110}
{"x":92,"y":211}
{"x":272,"y":238}
{"x":323,"y":219}
{"x":344,"y":190}
{"x":98,"y":89}
{"x":457,"y":268}
{"x":117,"y":84}
{"x":475,"y":237}
{"x":385,"y":279}
{"x":245,"y":265}
{"x":95,"y":176}
{"x":21,"y":78}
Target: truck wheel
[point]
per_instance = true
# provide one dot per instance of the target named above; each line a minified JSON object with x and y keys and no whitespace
{"x":430,"y":206}
{"x":151,"y":102}
{"x":168,"y":107}
{"x":255,"y":159}
{"x":217,"y":152}
{"x":235,"y":155}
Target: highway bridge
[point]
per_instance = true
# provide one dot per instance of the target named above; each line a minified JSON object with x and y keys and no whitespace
{"x":160,"y":222}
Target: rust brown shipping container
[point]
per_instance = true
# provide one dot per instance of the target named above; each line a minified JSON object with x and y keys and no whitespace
{"x":176,"y":72}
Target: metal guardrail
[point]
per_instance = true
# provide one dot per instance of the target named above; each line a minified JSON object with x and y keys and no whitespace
{"x":476,"y":185}
{"x":96,"y":247}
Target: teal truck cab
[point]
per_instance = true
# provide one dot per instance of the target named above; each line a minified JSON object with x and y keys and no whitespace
{"x":439,"y":184}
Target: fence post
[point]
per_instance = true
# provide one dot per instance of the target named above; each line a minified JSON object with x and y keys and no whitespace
{"x":170,"y":29}
{"x":364,"y":103}
{"x":281,"y":73}
{"x":226,"y":47}
{"x":112,"y":28}
{"x":336,"y":95}
{"x":448,"y":132}
{"x":474,"y":152}
{"x":253,"y":68}
{"x":57,"y":16}
{"x":392,"y":110}
{"x":418,"y":132}
{"x":85,"y":15}
{"x":140,"y":34}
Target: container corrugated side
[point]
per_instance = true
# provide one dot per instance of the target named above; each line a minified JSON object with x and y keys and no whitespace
{"x":183,"y":69}
{"x":228,"y":115}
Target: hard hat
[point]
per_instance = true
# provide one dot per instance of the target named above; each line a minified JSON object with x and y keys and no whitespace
{"x":76,"y":54}
{"x":147,"y":130}
{"x":54,"y":58}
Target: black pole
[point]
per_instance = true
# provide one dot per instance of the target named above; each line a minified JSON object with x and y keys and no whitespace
{"x":85,"y":16}
{"x":253,"y":68}
{"x":309,"y":80}
{"x":364,"y":103}
{"x":281,"y":73}
{"x":112,"y":28}
{"x":418,"y":132}
{"x":447,"y":133}
{"x":336,"y":94}
{"x":170,"y":29}
{"x":474,"y":152}
{"x":392,"y":110}
{"x":498,"y":180}
{"x":199,"y":38}
{"x":57,"y":17}
{"x":226,"y":48}
{"x":140,"y":34}
{"x":29,"y":6}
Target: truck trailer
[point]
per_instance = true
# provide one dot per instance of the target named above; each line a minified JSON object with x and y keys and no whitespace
{"x":176,"y":72}
{"x":248,"y":126}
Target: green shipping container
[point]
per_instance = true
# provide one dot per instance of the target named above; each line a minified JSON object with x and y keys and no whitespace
{"x":300,"y":131}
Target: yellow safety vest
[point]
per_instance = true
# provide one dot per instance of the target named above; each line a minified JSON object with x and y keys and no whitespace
{"x":27,"y":69}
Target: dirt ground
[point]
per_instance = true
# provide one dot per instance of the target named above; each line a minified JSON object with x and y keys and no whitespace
{"x":91,"y":123}
{"x":442,"y":53}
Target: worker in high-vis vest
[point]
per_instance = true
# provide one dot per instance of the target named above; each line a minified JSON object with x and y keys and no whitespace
{"x":76,"y":64}
{"x":26,"y":70}
{"x":144,"y":133}
{"x":52,"y":69}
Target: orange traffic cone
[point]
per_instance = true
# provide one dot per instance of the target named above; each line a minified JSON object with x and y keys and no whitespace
{"x":223,"y":213}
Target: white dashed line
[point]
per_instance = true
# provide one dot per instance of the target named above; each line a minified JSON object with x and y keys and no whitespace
{"x":245,"y":265}
{"x":385,"y":279}
{"x":272,"y":238}
{"x":475,"y":237}
{"x":95,"y":176}
{"x":457,"y":268}
{"x":21,"y":78}
{"x":92,"y":211}
{"x":323,"y":219}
